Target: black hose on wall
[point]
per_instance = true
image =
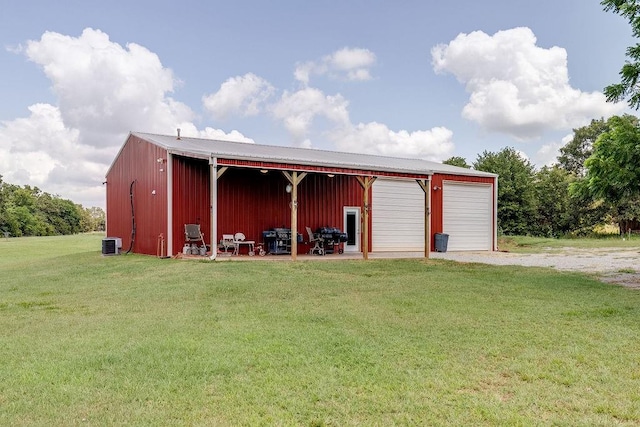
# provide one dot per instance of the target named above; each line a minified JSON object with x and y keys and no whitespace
{"x":133,"y":216}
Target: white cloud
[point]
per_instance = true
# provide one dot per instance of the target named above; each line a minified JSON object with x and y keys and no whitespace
{"x":515,"y":86}
{"x":103,"y":91}
{"x":351,"y":59}
{"x":41,"y":151}
{"x":352,"y":64}
{"x":376,"y":138}
{"x":243,"y":95}
{"x":303,"y":71}
{"x":548,"y":154}
{"x":190,"y":130}
{"x":298,"y":110}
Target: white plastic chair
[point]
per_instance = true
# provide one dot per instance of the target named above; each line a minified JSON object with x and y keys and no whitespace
{"x":239,"y":239}
{"x":227,"y":242}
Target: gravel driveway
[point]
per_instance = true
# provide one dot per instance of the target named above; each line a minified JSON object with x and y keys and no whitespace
{"x":613,"y":265}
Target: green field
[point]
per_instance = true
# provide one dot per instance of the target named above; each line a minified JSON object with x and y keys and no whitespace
{"x":136,"y":340}
{"x":528,"y":244}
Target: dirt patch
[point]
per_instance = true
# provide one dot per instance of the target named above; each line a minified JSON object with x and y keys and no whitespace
{"x":628,"y":280}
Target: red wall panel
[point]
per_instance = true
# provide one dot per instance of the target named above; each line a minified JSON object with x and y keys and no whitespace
{"x":191,"y":184}
{"x":137,"y":163}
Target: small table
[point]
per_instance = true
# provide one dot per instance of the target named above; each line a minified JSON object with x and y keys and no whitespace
{"x":249,"y":243}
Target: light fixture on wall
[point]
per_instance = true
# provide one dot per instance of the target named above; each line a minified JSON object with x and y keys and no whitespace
{"x":160,"y":160}
{"x":264,"y":170}
{"x":436,"y":188}
{"x":288,"y":188}
{"x":330,"y":175}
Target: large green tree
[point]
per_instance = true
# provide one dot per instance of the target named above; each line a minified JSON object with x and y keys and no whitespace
{"x":612,"y":171}
{"x":457,"y":161}
{"x":584,"y":210}
{"x":555,"y":208}
{"x":559,"y":212}
{"x":516,"y":191}
{"x":575,"y":152}
{"x":628,"y":87}
{"x":93,"y":219}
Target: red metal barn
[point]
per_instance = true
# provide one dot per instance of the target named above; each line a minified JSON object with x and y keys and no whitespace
{"x":159,"y":183}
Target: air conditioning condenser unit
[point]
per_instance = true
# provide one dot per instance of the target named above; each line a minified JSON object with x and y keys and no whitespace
{"x":111,"y":246}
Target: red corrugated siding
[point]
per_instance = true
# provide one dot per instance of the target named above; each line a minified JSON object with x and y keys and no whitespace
{"x":436,"y":198}
{"x":191,"y":205}
{"x":137,"y":162}
{"x":251,"y":202}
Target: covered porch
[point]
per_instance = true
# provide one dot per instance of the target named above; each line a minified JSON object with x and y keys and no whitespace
{"x":252,"y":198}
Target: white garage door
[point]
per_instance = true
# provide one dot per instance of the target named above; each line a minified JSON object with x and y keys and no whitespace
{"x":397,"y":216}
{"x":467,"y":216}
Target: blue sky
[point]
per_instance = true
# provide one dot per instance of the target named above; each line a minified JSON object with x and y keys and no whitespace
{"x":403,"y":78}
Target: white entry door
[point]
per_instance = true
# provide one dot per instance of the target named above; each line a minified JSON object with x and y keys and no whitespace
{"x":352,"y":228}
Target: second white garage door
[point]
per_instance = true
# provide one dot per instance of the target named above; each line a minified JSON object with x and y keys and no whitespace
{"x":467,"y":216}
{"x":397,"y":217}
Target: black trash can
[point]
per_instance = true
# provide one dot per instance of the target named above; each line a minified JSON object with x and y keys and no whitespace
{"x":441,"y":242}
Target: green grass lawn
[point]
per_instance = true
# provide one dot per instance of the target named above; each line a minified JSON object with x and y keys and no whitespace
{"x":528,"y":244}
{"x":136,"y":340}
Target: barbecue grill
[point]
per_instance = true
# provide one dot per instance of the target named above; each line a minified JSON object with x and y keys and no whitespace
{"x":278,"y":240}
{"x":332,"y":238}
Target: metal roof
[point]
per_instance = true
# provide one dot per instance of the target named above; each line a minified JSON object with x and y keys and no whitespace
{"x":206,"y":148}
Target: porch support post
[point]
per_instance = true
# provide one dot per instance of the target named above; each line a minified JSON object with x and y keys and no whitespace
{"x":365,"y":183}
{"x":214,"y":174}
{"x":169,"y":204}
{"x":426,"y":187}
{"x":294,"y":179}
{"x":495,"y":215}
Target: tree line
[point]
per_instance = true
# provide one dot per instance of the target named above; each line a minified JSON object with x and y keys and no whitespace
{"x":28,"y":211}
{"x":594,"y":181}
